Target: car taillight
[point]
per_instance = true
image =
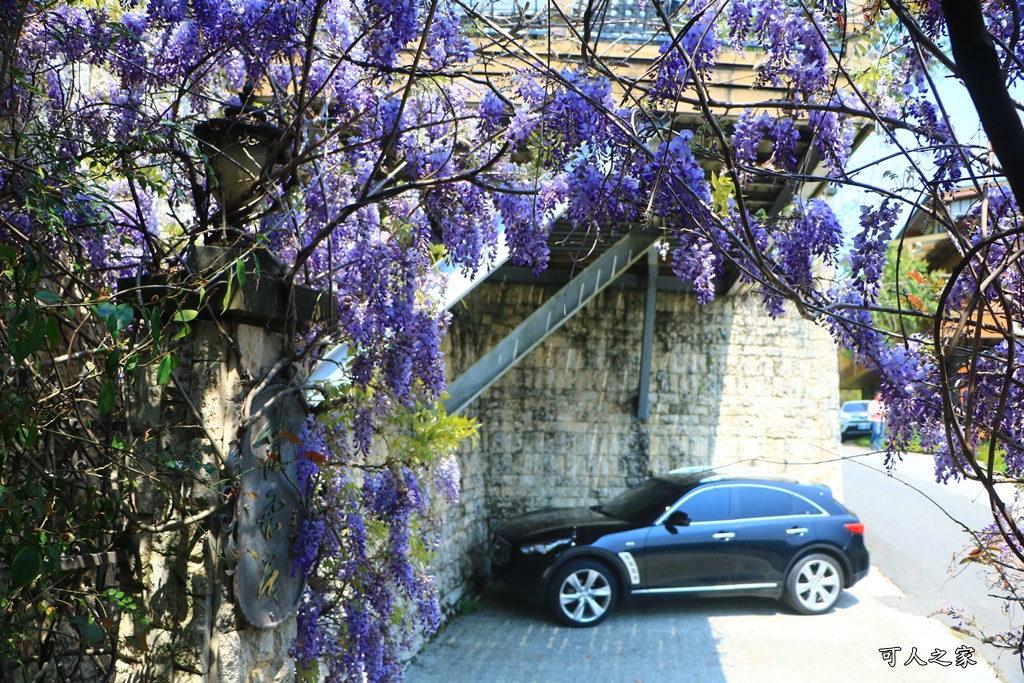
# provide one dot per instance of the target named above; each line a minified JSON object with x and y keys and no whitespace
{"x":855,"y":528}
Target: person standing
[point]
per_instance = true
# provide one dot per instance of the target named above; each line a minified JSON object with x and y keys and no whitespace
{"x":876,"y":413}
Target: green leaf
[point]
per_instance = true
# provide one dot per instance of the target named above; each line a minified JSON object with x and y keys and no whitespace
{"x":52,"y":331}
{"x":105,"y":309}
{"x":265,"y":433}
{"x":184,"y":315}
{"x":240,"y":272}
{"x":48,"y":297}
{"x":92,"y":632}
{"x":37,"y":338}
{"x":723,"y":190}
{"x":227,"y":297}
{"x":26,"y":567}
{"x":154,"y":320}
{"x":112,"y":362}
{"x":53,"y":554}
{"x":107,"y":395}
{"x":167,"y":363}
{"x":118,"y":317}
{"x":17,"y":351}
{"x":123,"y":316}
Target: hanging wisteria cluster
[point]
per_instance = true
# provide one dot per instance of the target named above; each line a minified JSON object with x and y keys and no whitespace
{"x":414,"y":130}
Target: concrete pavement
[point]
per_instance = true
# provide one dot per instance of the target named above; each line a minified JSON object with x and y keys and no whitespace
{"x":727,"y":640}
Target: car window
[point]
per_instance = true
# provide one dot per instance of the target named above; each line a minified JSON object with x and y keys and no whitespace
{"x":855,"y":407}
{"x":708,"y":505}
{"x":644,"y":503}
{"x":765,"y":501}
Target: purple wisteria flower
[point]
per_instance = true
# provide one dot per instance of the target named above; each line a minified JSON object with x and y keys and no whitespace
{"x":867,"y":257}
{"x":810,"y":232}
{"x":692,"y":55}
{"x":780,"y":130}
{"x":447,"y":477}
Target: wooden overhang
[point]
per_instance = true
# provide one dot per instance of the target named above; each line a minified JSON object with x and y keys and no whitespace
{"x":732,"y":88}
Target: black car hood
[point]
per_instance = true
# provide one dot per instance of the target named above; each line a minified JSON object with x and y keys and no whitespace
{"x":553,"y":522}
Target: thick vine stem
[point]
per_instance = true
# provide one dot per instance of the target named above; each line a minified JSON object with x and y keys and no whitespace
{"x":978,"y":65}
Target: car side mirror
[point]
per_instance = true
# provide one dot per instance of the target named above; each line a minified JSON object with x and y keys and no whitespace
{"x":677,"y":518}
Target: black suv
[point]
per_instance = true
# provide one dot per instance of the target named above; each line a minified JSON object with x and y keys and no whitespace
{"x":693,"y":532}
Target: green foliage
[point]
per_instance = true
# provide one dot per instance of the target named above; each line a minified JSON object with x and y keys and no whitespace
{"x":25,"y":567}
{"x":909,"y":291}
{"x":430,"y":432}
{"x":982,"y":454}
{"x":468,"y":605}
{"x":723,"y":190}
{"x":69,"y":469}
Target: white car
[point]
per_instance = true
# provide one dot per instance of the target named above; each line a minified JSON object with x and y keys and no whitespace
{"x":854,"y":420}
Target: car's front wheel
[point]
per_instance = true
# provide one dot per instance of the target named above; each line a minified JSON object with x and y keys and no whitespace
{"x":814,"y":584}
{"x":583,"y":593}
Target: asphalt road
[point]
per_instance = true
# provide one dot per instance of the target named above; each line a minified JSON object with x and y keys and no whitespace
{"x":913,"y":534}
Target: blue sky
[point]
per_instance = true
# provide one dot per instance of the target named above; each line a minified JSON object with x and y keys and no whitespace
{"x":965,"y":124}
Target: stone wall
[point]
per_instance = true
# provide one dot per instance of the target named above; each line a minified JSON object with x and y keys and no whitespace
{"x":728,"y":386}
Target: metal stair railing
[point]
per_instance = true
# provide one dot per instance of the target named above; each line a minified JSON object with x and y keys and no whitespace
{"x":549,"y":317}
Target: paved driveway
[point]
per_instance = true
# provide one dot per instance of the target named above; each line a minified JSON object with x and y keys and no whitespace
{"x":737,"y":640}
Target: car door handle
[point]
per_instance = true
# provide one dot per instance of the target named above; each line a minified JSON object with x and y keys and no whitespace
{"x":797,"y":531}
{"x":723,"y":536}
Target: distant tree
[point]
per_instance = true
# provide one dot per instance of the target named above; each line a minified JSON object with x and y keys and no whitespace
{"x":404,"y":125}
{"x":908,"y":296}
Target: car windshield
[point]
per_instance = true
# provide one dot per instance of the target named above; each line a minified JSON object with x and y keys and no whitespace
{"x":644,"y":503}
{"x":855,"y":407}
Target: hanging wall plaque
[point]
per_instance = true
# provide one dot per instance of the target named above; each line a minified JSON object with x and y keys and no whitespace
{"x":269,"y":507}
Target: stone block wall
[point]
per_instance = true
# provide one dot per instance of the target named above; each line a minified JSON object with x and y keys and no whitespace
{"x":729,"y":386}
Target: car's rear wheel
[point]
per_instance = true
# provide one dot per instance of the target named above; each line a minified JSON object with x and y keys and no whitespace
{"x":582,"y":593}
{"x":814,"y":584}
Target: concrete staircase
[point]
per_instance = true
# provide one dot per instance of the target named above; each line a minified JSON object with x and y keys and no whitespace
{"x":549,"y":317}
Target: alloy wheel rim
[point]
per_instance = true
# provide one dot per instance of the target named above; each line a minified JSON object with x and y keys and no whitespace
{"x":585,"y":596}
{"x":817,"y":585}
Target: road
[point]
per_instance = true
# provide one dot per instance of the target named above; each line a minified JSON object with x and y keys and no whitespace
{"x":912,"y":536}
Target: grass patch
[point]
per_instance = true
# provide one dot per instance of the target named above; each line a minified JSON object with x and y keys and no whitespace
{"x":982,"y":454}
{"x":468,"y":605}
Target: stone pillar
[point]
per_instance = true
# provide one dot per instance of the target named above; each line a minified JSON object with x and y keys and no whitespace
{"x":197,"y":633}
